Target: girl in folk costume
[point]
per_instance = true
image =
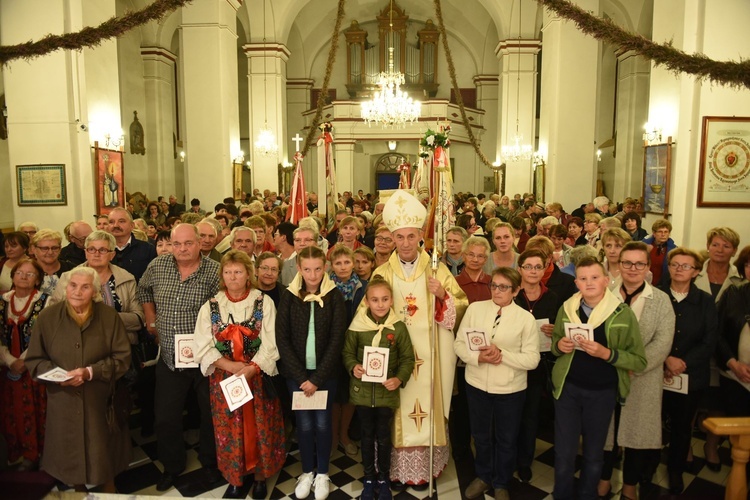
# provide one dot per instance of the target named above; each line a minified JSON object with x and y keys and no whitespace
{"x":377,"y":326}
{"x":234,"y":336}
{"x":23,"y":412}
{"x":415,"y":290}
{"x":310,"y":329}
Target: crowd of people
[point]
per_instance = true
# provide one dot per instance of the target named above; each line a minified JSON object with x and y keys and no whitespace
{"x":582,"y":320}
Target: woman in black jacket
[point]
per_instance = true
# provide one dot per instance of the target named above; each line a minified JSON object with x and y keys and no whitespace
{"x":310,"y":326}
{"x":694,"y":342}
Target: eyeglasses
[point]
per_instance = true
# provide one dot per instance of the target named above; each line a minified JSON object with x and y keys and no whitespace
{"x":100,"y":251}
{"x":626,"y":264}
{"x":682,"y":267}
{"x":381,"y":239}
{"x":20,"y":274}
{"x":529,"y":267}
{"x":501,"y":287}
{"x":265,"y":269}
{"x":47,"y":249}
{"x":473,"y":256}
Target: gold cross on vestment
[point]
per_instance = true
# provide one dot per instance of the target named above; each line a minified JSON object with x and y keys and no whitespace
{"x":417,"y":363}
{"x":400,"y":202}
{"x":418,"y":415}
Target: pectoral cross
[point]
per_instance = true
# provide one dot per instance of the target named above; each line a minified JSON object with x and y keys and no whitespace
{"x":297,"y":139}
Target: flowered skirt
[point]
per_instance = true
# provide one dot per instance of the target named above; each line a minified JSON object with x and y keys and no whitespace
{"x":23,"y":415}
{"x":269,"y":450}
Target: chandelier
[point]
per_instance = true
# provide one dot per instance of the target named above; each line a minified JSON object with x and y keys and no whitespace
{"x":517,"y":150}
{"x":266,"y":143}
{"x":391,"y":106}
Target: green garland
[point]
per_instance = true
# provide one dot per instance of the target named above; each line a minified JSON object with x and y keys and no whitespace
{"x":734,"y":74}
{"x":89,"y":37}
{"x":311,"y":139}
{"x":454,"y":83}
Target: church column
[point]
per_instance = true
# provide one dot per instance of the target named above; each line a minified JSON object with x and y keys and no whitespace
{"x":266,"y":73}
{"x":346,"y":178}
{"x":208,"y":78}
{"x":49,"y":118}
{"x":487,"y":94}
{"x":517,"y":100}
{"x":632,"y":113}
{"x":570,"y":67}
{"x":159,"y":122}
{"x":298,"y":101}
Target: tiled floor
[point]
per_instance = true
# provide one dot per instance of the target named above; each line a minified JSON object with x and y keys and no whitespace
{"x":346,"y":473}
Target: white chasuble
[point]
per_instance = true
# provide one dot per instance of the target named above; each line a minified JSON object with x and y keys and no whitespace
{"x":414,"y":305}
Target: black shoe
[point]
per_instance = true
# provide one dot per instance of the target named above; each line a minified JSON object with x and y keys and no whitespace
{"x":713,"y":467}
{"x":675,"y":483}
{"x":398,"y":486}
{"x":259,"y":490}
{"x":420,"y":487}
{"x":524,"y":474}
{"x":234,"y":492}
{"x":166,"y":481}
{"x":212,"y":475}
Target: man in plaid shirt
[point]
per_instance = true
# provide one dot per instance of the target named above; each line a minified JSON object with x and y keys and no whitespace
{"x":172,"y":291}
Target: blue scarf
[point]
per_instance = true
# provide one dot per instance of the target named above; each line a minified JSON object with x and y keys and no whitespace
{"x":347,"y":287}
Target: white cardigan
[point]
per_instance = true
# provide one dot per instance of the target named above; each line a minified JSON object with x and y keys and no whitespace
{"x":517,"y":335}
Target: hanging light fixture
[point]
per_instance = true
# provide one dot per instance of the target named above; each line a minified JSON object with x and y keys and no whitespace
{"x":266,"y":143}
{"x":391,"y":106}
{"x":517,"y":150}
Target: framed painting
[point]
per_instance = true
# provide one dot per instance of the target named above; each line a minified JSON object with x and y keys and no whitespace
{"x":110,"y":188}
{"x":539,"y":181}
{"x":657,"y":165}
{"x":41,"y":185}
{"x":724,"y":173}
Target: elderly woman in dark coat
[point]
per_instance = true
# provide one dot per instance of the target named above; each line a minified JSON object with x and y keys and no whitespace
{"x":86,"y":442}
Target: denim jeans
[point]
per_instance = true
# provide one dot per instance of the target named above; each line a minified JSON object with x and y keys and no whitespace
{"x":579,"y":412}
{"x":314,"y":430}
{"x":501,"y":413}
{"x":376,"y":428}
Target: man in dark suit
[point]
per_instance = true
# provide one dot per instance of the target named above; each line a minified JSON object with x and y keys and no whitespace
{"x":175,"y":209}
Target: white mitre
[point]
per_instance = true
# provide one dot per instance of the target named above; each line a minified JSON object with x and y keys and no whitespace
{"x":403,"y":210}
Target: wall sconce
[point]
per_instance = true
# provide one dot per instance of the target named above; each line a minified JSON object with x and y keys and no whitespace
{"x":239,"y":158}
{"x":182,"y":157}
{"x":651,"y":134}
{"x":114,"y":142}
{"x":537,"y":159}
{"x":598,"y":155}
{"x":392,"y":145}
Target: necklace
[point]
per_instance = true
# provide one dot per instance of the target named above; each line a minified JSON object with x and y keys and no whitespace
{"x":531,"y":303}
{"x":238,"y":299}
{"x":17,"y":313}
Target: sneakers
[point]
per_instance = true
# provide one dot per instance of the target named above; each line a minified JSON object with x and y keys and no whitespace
{"x":322,"y":486}
{"x":304,"y":483}
{"x":368,"y":492}
{"x":384,"y":490}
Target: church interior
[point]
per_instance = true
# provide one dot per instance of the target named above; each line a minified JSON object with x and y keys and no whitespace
{"x":203,"y":82}
{"x":185,"y":99}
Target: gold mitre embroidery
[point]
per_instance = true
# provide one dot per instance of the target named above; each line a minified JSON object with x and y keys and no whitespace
{"x":403,"y":210}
